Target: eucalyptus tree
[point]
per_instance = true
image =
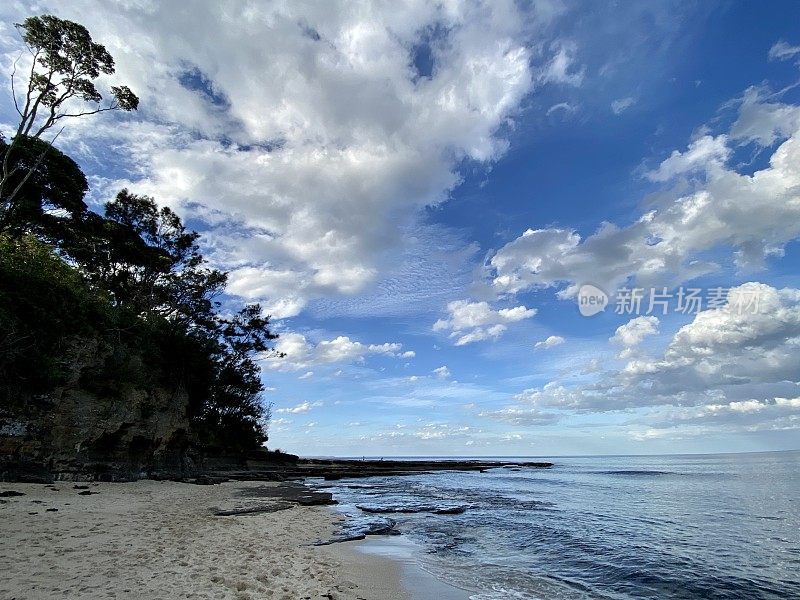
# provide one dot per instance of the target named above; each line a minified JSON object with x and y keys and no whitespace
{"x":60,"y":84}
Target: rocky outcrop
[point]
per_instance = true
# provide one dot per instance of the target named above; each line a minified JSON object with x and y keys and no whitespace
{"x":74,"y":432}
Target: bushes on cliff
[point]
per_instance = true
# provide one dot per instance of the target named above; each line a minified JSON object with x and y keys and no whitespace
{"x":130,"y":282}
{"x":44,"y":304}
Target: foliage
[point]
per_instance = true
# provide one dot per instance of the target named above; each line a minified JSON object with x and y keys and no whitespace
{"x":65,"y":61}
{"x":149,"y":263}
{"x":130,"y":283}
{"x":44,"y":305}
{"x":52,"y":194}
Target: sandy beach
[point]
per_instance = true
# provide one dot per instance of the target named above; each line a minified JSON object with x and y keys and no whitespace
{"x":161,"y":540}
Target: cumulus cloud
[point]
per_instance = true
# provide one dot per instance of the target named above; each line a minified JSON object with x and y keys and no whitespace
{"x":739,"y":359}
{"x":305,"y":137}
{"x":753,"y":339}
{"x":442,"y":372}
{"x":634,"y":331}
{"x":763,"y":120}
{"x":776,"y":414}
{"x":752,"y":215}
{"x":551,"y":341}
{"x":474,"y":321}
{"x":702,"y":154}
{"x":301,"y":354}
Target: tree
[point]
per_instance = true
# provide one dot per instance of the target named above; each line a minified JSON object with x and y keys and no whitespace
{"x":65,"y":61}
{"x":149,"y":262}
{"x":52,"y":199}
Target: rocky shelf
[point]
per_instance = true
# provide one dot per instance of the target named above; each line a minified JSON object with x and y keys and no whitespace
{"x":335,"y":469}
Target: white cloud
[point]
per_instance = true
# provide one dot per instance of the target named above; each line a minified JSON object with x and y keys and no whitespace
{"x":731,"y":346}
{"x":442,"y":372}
{"x":561,"y":69}
{"x":635,"y":331}
{"x":307,"y":375}
{"x":702,"y":154}
{"x":781,"y":51}
{"x":727,"y":361}
{"x":564,"y":107}
{"x":304,"y":134}
{"x":751,"y":215}
{"x":521,"y":416}
{"x":299,"y":409}
{"x":620,"y":105}
{"x":474,"y":321}
{"x":553,"y":340}
{"x":762,"y":120}
{"x":773,"y":414}
{"x":408,"y":354}
{"x":301,"y":354}
{"x":426,"y":432}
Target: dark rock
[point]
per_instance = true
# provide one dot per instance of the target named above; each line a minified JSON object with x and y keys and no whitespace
{"x":251,"y":510}
{"x":292,"y":492}
{"x":80,"y":487}
{"x":86,"y":493}
{"x":455,"y":510}
{"x":208,"y":480}
{"x":52,"y":510}
{"x":10,"y":494}
{"x":358,"y":529}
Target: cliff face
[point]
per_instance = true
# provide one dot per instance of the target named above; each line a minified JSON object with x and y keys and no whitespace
{"x":75,"y":432}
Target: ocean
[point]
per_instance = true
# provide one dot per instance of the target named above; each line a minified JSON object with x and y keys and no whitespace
{"x":691,"y":526}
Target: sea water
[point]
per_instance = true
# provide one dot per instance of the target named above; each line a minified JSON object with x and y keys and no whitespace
{"x":691,"y":526}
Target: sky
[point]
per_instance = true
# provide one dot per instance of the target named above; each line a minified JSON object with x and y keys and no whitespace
{"x":422,"y":193}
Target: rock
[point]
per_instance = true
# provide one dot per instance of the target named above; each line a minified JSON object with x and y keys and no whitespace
{"x":86,"y":493}
{"x":52,"y":510}
{"x":251,"y":510}
{"x":455,"y":510}
{"x":10,"y":494}
{"x":358,"y":529}
{"x":208,"y":480}
{"x":80,"y":430}
{"x":292,"y":492}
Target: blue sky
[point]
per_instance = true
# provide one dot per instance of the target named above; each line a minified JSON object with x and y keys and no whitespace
{"x":417,"y":192}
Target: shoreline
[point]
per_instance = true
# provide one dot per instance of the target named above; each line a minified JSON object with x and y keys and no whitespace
{"x":414,"y":582}
{"x":160,"y":539}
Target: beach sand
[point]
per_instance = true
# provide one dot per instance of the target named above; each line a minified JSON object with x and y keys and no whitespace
{"x":160,"y":540}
